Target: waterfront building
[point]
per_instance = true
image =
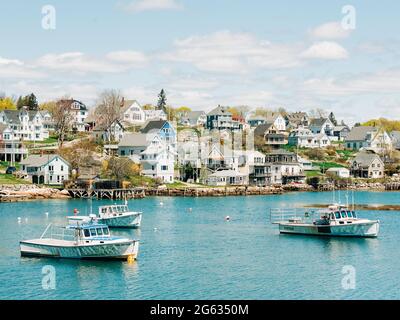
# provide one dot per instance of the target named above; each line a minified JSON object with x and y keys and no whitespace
{"x":11,"y":148}
{"x":252,"y":165}
{"x":338,"y":172}
{"x":305,"y":138}
{"x":155,"y":156}
{"x":367,"y":164}
{"x":46,"y":169}
{"x":226,"y":178}
{"x":283,"y":167}
{"x":164,"y":129}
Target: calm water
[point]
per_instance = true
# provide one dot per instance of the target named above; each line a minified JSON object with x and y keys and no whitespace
{"x":198,"y":255}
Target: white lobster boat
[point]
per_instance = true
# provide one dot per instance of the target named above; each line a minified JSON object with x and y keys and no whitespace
{"x":114,"y":216}
{"x":86,"y":241}
{"x":336,"y":220}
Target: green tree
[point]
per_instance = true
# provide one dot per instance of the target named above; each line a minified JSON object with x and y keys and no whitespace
{"x":333,"y":119}
{"x":29,"y":101}
{"x":162,"y":101}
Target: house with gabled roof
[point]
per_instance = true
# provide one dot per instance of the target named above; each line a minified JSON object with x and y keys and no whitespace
{"x":367,"y":164}
{"x":108,"y":133}
{"x":26,"y":124}
{"x":49,"y":169}
{"x":297,"y":119}
{"x":368,"y":137}
{"x":163,"y":128}
{"x":221,"y":119}
{"x":271,"y":135}
{"x":131,"y":112}
{"x":322,"y":125}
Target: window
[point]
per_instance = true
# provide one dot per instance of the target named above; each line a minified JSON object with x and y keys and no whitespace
{"x":99,"y":231}
{"x":337,"y":215}
{"x":164,"y":168}
{"x":93,"y":232}
{"x":86,"y":232}
{"x":62,"y":168}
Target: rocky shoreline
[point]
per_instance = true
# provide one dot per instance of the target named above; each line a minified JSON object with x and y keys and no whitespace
{"x":22,"y":192}
{"x":14,"y":193}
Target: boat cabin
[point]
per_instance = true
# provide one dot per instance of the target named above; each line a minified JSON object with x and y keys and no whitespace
{"x":91,"y":231}
{"x":337,"y":214}
{"x":113,"y":211}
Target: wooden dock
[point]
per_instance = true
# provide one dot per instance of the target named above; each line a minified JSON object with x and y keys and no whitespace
{"x":112,"y":194}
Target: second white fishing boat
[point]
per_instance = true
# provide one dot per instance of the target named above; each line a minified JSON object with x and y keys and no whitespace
{"x":114,"y":216}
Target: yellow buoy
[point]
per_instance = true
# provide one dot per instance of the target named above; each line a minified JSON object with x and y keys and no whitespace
{"x":131,"y":258}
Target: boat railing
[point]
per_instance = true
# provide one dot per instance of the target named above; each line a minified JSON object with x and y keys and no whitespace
{"x":59,"y":233}
{"x":279,"y":215}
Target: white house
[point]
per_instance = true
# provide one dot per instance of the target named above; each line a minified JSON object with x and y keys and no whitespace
{"x":26,"y":125}
{"x":304,"y":138}
{"x":338,"y":172}
{"x":132,"y":113}
{"x":46,"y":169}
{"x":322,"y":125}
{"x":367,"y":164}
{"x":154,"y":114}
{"x":152,"y":152}
{"x":277,"y":119}
{"x":11,"y":148}
{"x":226,"y":178}
{"x":80,"y":113}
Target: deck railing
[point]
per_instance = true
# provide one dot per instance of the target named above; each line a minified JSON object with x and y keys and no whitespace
{"x":278,"y":215}
{"x":59,"y":233}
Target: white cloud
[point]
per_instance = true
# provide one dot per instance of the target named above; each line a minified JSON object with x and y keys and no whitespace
{"x":330,"y":30}
{"x":384,"y":82}
{"x":78,"y":62}
{"x":325,"y":50}
{"x":153,"y":5}
{"x":4,"y":61}
{"x":229,"y":52}
{"x":134,"y":58}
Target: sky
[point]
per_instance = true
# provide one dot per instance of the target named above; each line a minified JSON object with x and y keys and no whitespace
{"x":299,"y":55}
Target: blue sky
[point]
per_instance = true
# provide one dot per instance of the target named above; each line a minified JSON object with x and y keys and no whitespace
{"x":292,"y":54}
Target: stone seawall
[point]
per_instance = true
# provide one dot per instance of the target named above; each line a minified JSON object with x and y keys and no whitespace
{"x":22,"y":192}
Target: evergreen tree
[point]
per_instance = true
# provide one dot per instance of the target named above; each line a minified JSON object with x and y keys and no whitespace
{"x":20,"y":103}
{"x":333,"y":119}
{"x":32,"y":102}
{"x":162,"y":101}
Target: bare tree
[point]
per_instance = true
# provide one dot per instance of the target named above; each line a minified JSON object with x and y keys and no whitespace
{"x":120,"y":168}
{"x":108,"y":109}
{"x":63,"y":118}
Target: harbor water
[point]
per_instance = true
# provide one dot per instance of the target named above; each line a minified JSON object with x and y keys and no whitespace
{"x":188,"y":250}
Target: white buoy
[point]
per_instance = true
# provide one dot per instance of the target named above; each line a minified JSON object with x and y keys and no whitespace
{"x":19,"y":219}
{"x":46,"y":213}
{"x":155,"y":229}
{"x":227,"y":218}
{"x":161,"y":203}
{"x":190,"y":209}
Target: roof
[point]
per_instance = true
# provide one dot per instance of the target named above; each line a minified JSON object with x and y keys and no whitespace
{"x":135,"y":140}
{"x":272,"y":116}
{"x":340,"y":128}
{"x":153,"y":125}
{"x":359,"y":133}
{"x":103,"y":127}
{"x":127,"y":104}
{"x":365,"y":158}
{"x":35,"y":160}
{"x":260,"y":129}
{"x":318,"y":122}
{"x":220,"y":110}
{"x":296,"y":116}
{"x":335,"y":169}
{"x":281,"y":152}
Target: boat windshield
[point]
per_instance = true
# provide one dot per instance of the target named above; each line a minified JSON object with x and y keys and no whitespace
{"x":354,"y":214}
{"x":344,"y":214}
{"x":337,"y":215}
{"x":105,"y":231}
{"x":349,"y":214}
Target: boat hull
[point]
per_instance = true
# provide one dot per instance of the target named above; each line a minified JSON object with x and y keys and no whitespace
{"x":115,"y":250}
{"x":124,"y":221}
{"x":361,"y":230}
